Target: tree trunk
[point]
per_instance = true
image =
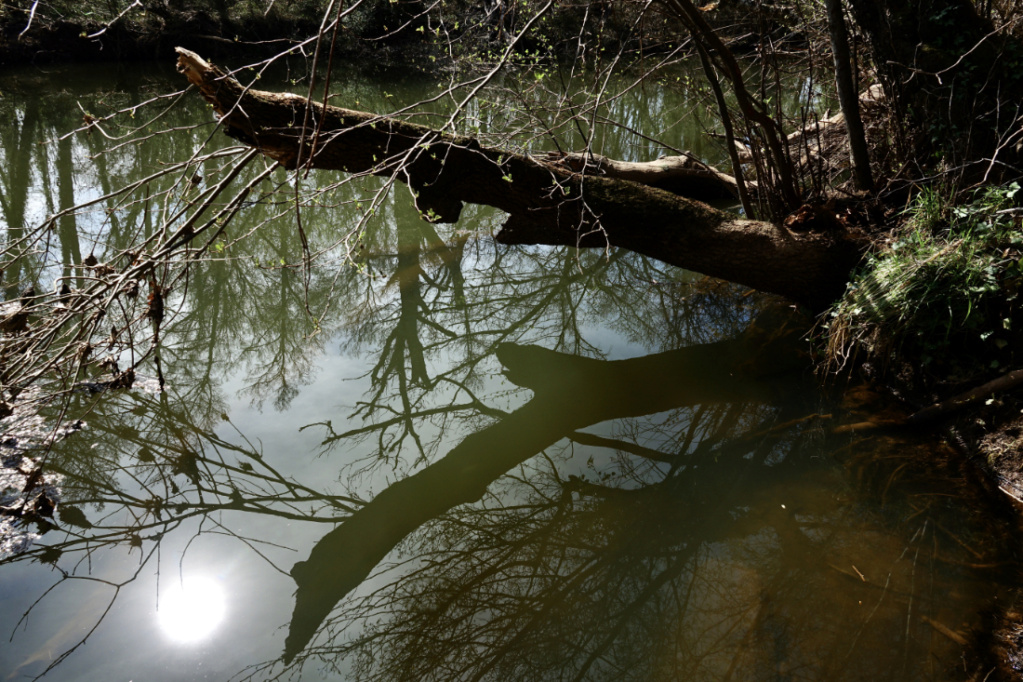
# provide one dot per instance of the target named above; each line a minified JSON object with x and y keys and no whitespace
{"x":848,"y":97}
{"x":682,"y":175}
{"x":547,"y":203}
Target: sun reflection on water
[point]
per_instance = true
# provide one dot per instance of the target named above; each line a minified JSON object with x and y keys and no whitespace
{"x":190,"y":610}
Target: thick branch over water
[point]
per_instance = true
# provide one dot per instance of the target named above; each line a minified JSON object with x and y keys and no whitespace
{"x":548,"y":202}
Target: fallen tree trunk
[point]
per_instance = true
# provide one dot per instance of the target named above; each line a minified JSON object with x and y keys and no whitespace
{"x":547,"y":202}
{"x":682,"y":175}
{"x":827,"y":141}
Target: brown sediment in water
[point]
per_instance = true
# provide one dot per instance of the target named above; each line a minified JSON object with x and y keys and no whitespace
{"x":978,"y":462}
{"x":999,"y":448}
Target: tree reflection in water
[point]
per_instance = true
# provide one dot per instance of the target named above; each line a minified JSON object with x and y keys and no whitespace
{"x":721,"y":554}
{"x":709,"y":537}
{"x":677,"y":515}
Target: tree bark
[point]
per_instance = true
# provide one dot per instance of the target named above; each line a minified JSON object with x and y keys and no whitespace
{"x":547,"y":203}
{"x":848,"y":97}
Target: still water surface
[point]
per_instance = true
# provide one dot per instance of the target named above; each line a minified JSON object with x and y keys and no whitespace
{"x":479,"y":462}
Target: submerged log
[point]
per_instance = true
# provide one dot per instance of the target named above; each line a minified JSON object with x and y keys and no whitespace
{"x":547,"y":202}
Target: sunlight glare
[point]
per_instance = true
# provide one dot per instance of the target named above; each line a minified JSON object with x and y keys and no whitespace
{"x":191,"y":610}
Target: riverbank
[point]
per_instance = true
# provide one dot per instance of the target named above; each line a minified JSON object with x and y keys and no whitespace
{"x":452,"y":30}
{"x":992,"y":439}
{"x":932,"y":320}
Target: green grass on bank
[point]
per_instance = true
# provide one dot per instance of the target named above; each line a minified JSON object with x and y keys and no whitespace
{"x":941,"y":301}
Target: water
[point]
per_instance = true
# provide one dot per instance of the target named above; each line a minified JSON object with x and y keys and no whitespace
{"x":491,"y":462}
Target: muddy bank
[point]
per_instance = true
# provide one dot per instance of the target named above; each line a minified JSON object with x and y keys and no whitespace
{"x":993,"y":439}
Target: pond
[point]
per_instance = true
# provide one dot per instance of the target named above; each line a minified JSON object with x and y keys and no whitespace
{"x":424,"y":455}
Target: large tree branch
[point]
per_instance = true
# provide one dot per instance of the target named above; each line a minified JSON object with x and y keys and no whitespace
{"x":548,"y":202}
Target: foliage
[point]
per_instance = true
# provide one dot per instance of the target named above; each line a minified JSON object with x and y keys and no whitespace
{"x":453,"y":27}
{"x":945,"y":291}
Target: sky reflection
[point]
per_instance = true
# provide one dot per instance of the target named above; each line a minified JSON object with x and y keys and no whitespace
{"x":192,"y":609}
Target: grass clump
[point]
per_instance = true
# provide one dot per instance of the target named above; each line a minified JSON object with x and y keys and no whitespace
{"x":941,"y":300}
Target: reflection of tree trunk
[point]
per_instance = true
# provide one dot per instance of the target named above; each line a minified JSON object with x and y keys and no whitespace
{"x":451,"y":256}
{"x":570,"y":393}
{"x":117,"y":240}
{"x":548,"y":203}
{"x":18,"y":170}
{"x":411,"y":304}
{"x":70,"y":249}
{"x":213,"y":309}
